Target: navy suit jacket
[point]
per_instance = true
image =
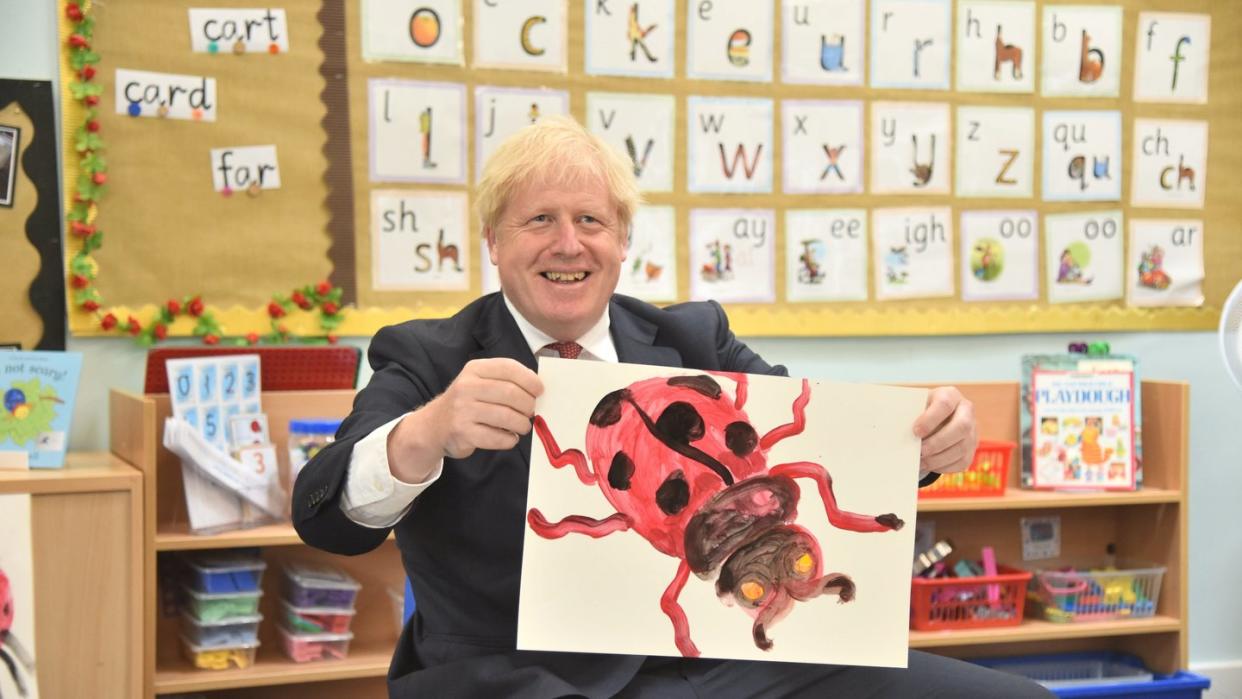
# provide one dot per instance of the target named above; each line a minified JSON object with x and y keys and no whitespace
{"x":461,"y":542}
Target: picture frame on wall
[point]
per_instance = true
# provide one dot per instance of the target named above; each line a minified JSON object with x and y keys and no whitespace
{"x":10,"y":146}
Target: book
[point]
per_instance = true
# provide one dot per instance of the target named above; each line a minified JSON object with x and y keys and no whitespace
{"x":1080,"y":422}
{"x":39,"y":392}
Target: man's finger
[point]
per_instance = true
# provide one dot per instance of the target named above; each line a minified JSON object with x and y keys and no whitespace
{"x":505,"y":369}
{"x":941,"y":402}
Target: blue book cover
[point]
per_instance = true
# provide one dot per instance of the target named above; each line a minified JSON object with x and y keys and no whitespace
{"x":39,"y":391}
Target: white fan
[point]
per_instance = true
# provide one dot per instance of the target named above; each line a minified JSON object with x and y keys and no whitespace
{"x":1231,"y":334}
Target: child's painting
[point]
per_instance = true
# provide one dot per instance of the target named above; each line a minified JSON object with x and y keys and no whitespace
{"x":677,"y":512}
{"x":17,"y":642}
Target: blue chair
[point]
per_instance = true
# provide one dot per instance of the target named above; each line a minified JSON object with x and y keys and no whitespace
{"x":409,"y":600}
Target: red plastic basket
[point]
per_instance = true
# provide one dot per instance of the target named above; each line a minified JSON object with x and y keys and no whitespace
{"x":968,"y":603}
{"x":987,"y":475}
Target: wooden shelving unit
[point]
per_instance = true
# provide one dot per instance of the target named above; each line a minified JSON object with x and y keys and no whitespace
{"x":88,"y":550}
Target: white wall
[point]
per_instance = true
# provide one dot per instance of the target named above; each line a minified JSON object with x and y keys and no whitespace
{"x":28,"y":50}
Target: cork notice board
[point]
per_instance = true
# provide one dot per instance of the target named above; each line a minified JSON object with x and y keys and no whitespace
{"x":171,"y":234}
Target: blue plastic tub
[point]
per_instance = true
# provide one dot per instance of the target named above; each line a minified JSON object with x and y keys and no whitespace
{"x":225,"y":571}
{"x":1101,"y":674}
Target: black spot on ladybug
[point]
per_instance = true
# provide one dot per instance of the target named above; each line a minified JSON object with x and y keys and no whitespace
{"x":608,"y":410}
{"x":621,"y":471}
{"x":741,"y":438}
{"x":673,"y":494}
{"x":680,"y":423}
{"x":702,"y":383}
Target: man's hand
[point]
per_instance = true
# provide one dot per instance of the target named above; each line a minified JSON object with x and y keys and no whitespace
{"x":488,"y":406}
{"x":947,"y":428}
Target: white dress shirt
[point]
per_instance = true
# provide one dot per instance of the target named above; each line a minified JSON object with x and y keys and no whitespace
{"x":373,"y":497}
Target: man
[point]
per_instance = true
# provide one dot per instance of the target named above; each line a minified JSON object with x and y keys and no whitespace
{"x":438,"y":444}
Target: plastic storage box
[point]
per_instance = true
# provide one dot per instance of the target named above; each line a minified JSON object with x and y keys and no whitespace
{"x":223,"y":658}
{"x":1101,"y":674}
{"x":209,"y":607}
{"x":305,"y":647}
{"x":1092,"y":594}
{"x":234,"y":631}
{"x":316,"y":619}
{"x":319,"y":586}
{"x":987,"y":474}
{"x":225,"y":571}
{"x":968,"y":603}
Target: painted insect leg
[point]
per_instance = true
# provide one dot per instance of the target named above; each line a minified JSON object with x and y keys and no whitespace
{"x":769,"y":614}
{"x":839,"y":518}
{"x":577,"y":524}
{"x":741,"y":384}
{"x":799,"y":420}
{"x":677,"y":615}
{"x":561,"y":459}
{"x":839,"y":584}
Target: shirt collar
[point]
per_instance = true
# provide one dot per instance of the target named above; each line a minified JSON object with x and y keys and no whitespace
{"x":596,"y":342}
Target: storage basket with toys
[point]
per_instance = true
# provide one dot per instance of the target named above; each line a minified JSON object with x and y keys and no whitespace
{"x":987,"y":475}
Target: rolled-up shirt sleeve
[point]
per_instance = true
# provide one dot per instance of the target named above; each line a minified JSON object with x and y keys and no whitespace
{"x":373,"y":497}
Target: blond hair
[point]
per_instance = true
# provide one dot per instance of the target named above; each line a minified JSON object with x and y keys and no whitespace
{"x":556,"y":149}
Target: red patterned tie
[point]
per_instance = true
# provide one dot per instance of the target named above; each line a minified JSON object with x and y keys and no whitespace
{"x":567,"y":350}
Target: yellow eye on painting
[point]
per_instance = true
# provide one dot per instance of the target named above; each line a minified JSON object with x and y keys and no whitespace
{"x":751,"y":591}
{"x":804,"y":564}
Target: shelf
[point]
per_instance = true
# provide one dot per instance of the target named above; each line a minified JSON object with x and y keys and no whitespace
{"x":180,"y":538}
{"x":90,"y":472}
{"x":1018,"y":499}
{"x":272,"y":667}
{"x":1039,"y":630}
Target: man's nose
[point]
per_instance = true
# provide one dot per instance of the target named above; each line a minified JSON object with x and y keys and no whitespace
{"x":567,"y":242}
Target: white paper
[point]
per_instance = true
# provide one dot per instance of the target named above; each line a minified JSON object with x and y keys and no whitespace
{"x":913,"y":252}
{"x":243,"y":167}
{"x":730,"y":41}
{"x":823,"y":146}
{"x":826,"y":255}
{"x":420,"y":241}
{"x":731,"y":255}
{"x":822,"y":42}
{"x":911,"y":44}
{"x":420,"y":31}
{"x":910,"y":148}
{"x":641,"y":128}
{"x":995,"y":46}
{"x":140,"y":93}
{"x":730,"y":144}
{"x":995,"y":152}
{"x":1171,"y":57}
{"x":1084,"y":256}
{"x":417,"y":131}
{"x":1081,"y":48}
{"x":525,"y":35}
{"x":1166,"y":263}
{"x":631,"y":39}
{"x":650,"y":268}
{"x":1000,"y":255}
{"x":500,"y":112}
{"x":1170,"y":163}
{"x":1082,"y":156}
{"x":602,"y":595}
{"x":17,"y":564}
{"x":220,"y":30}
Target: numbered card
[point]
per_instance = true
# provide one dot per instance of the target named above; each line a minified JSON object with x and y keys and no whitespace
{"x":236,"y":30}
{"x":247,"y":430}
{"x":823,"y":145}
{"x":730,"y":144}
{"x":418,"y":131}
{"x":730,"y":41}
{"x":526,"y":35}
{"x":500,"y":112}
{"x":731,"y":255}
{"x":1081,"y":51}
{"x":641,"y":128}
{"x":140,"y":93}
{"x":1082,"y":156}
{"x":826,"y":255}
{"x":1170,"y":163}
{"x":995,"y":152}
{"x":822,"y":42}
{"x":913,"y":253}
{"x":911,"y":44}
{"x":1171,"y":57}
{"x":910,"y":148}
{"x":995,"y":46}
{"x":417,"y":31}
{"x":1000,"y":255}
{"x":1084,"y":257}
{"x":632,"y":39}
{"x":650,"y":268}
{"x":206,"y":391}
{"x":419,"y":241}
{"x":244,"y":168}
{"x":1166,"y":263}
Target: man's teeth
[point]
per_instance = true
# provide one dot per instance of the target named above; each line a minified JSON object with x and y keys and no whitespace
{"x":565,"y":276}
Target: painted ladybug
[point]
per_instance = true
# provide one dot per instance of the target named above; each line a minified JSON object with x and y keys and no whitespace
{"x":684,"y":468}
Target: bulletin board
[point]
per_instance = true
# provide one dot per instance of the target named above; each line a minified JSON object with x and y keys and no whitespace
{"x":172,"y":235}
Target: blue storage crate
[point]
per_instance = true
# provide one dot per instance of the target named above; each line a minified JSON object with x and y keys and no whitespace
{"x":1104,"y":674}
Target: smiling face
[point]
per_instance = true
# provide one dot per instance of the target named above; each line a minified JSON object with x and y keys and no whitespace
{"x":559,"y":249}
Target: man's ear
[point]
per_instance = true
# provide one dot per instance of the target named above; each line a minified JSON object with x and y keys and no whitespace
{"x":489,"y":234}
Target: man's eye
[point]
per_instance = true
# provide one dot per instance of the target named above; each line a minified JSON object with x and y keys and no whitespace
{"x":587,"y":218}
{"x":541,"y":218}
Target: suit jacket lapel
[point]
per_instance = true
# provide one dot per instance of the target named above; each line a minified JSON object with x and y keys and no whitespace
{"x":635,"y":338}
{"x":498,"y":335}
